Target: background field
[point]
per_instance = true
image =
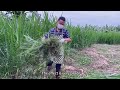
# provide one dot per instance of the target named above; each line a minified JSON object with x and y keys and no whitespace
{"x":20,"y":39}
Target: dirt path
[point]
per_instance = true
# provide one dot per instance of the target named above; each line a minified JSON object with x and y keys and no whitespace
{"x":105,"y":58}
{"x":99,"y":61}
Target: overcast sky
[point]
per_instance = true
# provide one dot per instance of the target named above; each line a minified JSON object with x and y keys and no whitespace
{"x":100,"y":18}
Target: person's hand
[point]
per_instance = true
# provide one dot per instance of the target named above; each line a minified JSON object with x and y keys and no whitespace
{"x":67,"y":40}
{"x":62,"y":40}
{"x":43,"y":38}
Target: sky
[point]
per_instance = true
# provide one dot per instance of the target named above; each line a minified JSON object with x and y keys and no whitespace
{"x":100,"y":18}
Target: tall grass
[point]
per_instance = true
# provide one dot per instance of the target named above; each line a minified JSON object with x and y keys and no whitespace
{"x":109,"y":37}
{"x":26,"y":32}
{"x":12,"y":37}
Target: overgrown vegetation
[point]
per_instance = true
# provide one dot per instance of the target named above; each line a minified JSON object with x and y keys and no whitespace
{"x":20,"y":39}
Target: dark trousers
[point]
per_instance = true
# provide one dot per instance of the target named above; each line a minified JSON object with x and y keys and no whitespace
{"x":58,"y":66}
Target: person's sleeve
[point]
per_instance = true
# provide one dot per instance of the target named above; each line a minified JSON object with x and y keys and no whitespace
{"x":47,"y":35}
{"x":67,"y":34}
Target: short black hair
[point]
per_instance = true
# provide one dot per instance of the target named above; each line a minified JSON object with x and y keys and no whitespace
{"x":61,"y":18}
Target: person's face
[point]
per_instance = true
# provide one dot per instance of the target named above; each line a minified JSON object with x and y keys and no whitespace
{"x":60,"y":24}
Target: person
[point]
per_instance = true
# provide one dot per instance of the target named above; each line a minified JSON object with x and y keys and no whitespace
{"x":64,"y":37}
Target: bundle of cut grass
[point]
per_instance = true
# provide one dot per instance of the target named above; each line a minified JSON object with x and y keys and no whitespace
{"x":50,"y":47}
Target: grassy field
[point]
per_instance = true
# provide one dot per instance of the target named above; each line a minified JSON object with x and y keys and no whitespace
{"x":100,"y":61}
{"x":20,"y":39}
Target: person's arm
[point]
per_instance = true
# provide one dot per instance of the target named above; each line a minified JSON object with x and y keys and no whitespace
{"x":47,"y":35}
{"x":68,"y":40}
{"x":51,"y":31}
{"x":67,"y":37}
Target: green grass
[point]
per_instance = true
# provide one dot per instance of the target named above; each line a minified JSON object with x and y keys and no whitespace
{"x":84,"y":60}
{"x":90,"y":75}
{"x":95,"y":75}
{"x":109,"y":37}
{"x":20,"y":38}
{"x":13,"y":34}
{"x":71,"y":76}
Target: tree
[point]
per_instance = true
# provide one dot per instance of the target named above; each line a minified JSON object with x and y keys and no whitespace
{"x":17,"y":13}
